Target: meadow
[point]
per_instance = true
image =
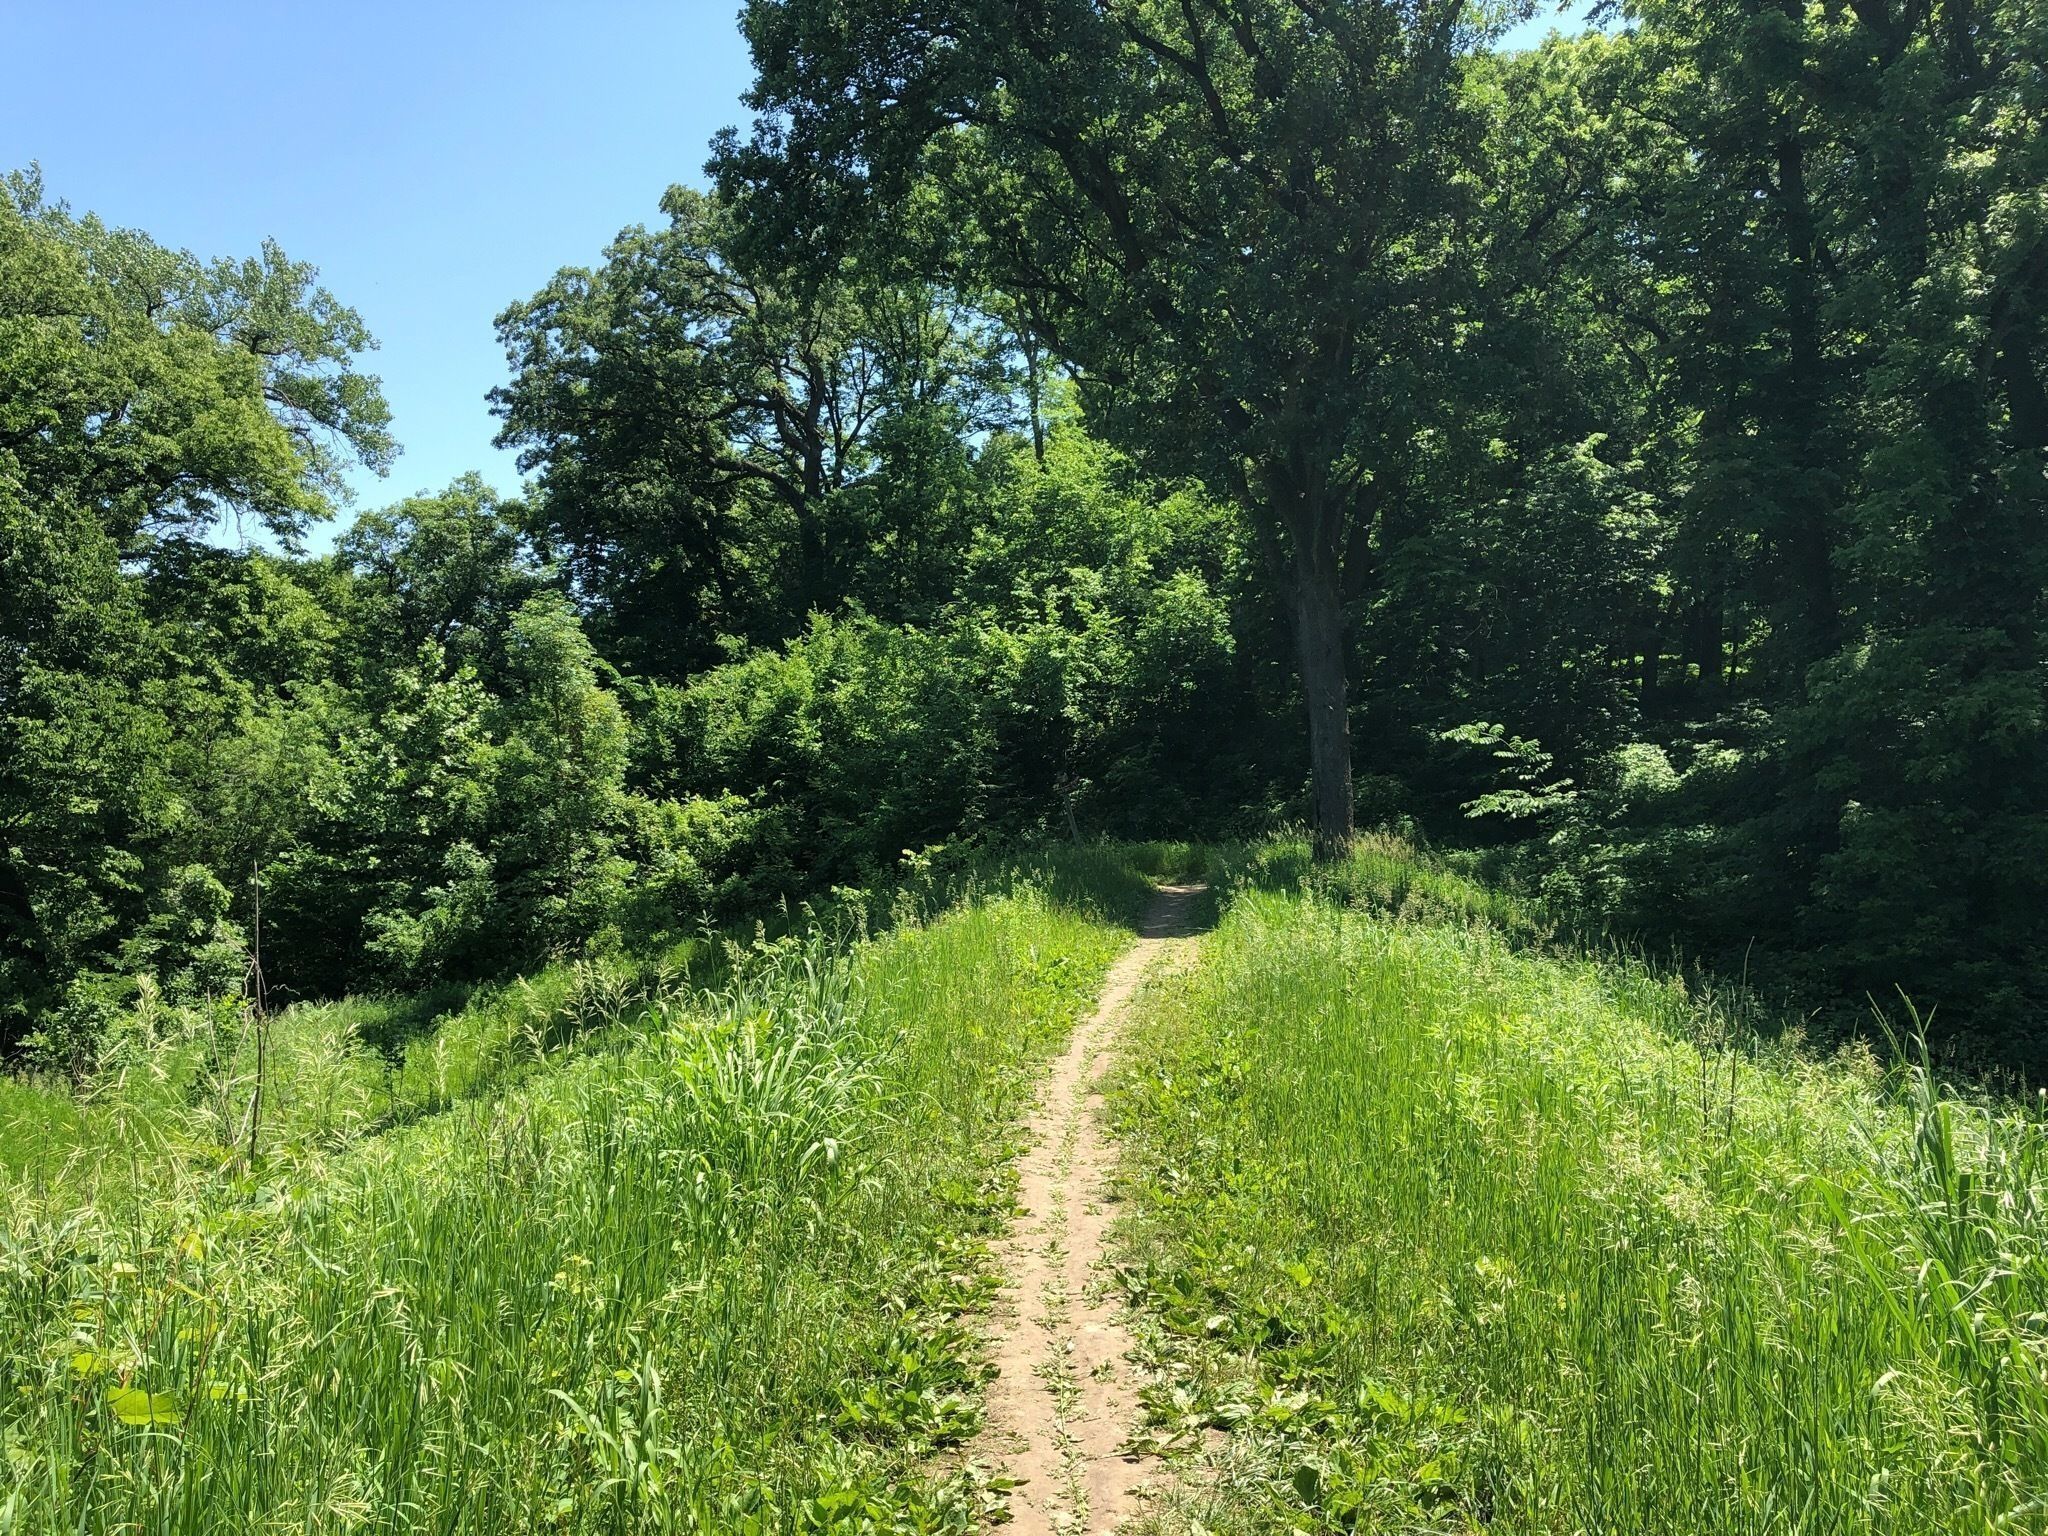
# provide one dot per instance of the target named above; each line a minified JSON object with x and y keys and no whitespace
{"x":1451,"y":1232}
{"x":621,"y":1249}
{"x":1429,"y":1221}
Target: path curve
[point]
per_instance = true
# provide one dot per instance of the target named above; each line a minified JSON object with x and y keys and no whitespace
{"x":1065,"y":1398}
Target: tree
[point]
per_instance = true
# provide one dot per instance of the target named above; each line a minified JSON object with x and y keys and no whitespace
{"x":164,"y":394}
{"x":144,"y":396}
{"x":559,"y":782}
{"x":1244,"y":222}
{"x":1841,"y":206}
{"x":450,"y":568}
{"x":725,"y":442}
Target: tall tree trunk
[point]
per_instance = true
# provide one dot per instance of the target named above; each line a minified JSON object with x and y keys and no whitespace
{"x":1307,"y":564}
{"x":813,"y":575}
{"x":1807,"y":539}
{"x":1319,"y":640}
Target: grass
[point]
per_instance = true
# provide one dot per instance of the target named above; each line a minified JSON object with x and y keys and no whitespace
{"x":1447,"y":1227}
{"x":1385,"y":874}
{"x":174,"y":1083}
{"x":1452,"y":1234}
{"x":700,"y":1264}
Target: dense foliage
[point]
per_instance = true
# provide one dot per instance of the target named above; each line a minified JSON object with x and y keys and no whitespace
{"x":482,"y":732}
{"x":1152,"y":418}
{"x":1666,"y":405}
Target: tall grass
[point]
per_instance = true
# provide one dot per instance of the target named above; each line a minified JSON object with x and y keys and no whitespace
{"x":1384,"y":873}
{"x":1454,"y":1234}
{"x":172,"y":1084}
{"x":705,"y":1276}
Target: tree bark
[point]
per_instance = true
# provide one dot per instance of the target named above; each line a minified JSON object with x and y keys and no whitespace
{"x":1807,"y":539}
{"x":1319,"y":641}
{"x":1304,"y":549}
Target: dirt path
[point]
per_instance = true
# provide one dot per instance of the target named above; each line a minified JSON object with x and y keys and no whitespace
{"x":1064,"y":1399}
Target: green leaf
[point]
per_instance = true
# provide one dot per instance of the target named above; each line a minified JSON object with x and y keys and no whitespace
{"x":1308,"y":1482}
{"x":134,"y":1405}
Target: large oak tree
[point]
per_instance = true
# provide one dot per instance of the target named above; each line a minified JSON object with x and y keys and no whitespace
{"x":1244,"y":222}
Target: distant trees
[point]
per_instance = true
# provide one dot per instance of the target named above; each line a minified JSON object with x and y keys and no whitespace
{"x":1088,"y":662}
{"x":723,"y":442}
{"x":793,"y":589}
{"x":144,"y":395}
{"x":156,"y":393}
{"x":1842,"y":210}
{"x":1674,"y":396}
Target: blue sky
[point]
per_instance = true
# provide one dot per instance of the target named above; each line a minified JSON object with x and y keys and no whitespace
{"x":437,"y":160}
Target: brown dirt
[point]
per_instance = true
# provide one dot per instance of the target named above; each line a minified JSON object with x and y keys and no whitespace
{"x":1064,"y":1400}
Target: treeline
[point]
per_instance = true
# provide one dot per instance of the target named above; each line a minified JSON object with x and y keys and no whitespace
{"x":1160,"y":418}
{"x":668,"y":689}
{"x":1662,"y":409}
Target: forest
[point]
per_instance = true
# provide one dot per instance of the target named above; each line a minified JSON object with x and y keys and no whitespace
{"x":1625,"y":456}
{"x":1546,"y":533}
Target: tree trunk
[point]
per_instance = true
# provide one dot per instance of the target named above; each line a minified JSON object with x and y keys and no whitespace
{"x":1032,"y":389}
{"x":1319,"y":639}
{"x":1806,"y":539}
{"x":1705,"y":643}
{"x":1307,"y":565}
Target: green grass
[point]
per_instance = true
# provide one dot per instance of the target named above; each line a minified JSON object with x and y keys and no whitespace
{"x":1453,"y":1234}
{"x":174,"y":1083}
{"x":1168,"y":863}
{"x":1384,"y":874}
{"x":1450,"y":1229}
{"x":700,"y":1264}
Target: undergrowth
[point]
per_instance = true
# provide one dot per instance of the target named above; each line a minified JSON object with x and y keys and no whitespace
{"x":175,"y":1082}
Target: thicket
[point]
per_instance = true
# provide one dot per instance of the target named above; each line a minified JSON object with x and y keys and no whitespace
{"x":414,"y":762}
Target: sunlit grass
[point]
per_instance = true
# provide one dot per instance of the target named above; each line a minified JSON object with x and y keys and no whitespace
{"x":1454,"y":1234}
{"x":698,"y":1264}
{"x":173,"y":1084}
{"x":1383,"y":873}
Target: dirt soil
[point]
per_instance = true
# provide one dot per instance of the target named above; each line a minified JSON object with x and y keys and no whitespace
{"x":1065,"y":1397}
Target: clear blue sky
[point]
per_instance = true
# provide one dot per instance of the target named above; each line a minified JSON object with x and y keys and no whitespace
{"x":437,"y":160}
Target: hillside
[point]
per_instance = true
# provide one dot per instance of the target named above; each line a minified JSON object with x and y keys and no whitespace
{"x":701,"y":1264}
{"x":1450,"y":1232}
{"x":1401,"y":1217}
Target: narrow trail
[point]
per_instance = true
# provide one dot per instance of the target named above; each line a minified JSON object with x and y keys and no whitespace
{"x":1065,"y":1397}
